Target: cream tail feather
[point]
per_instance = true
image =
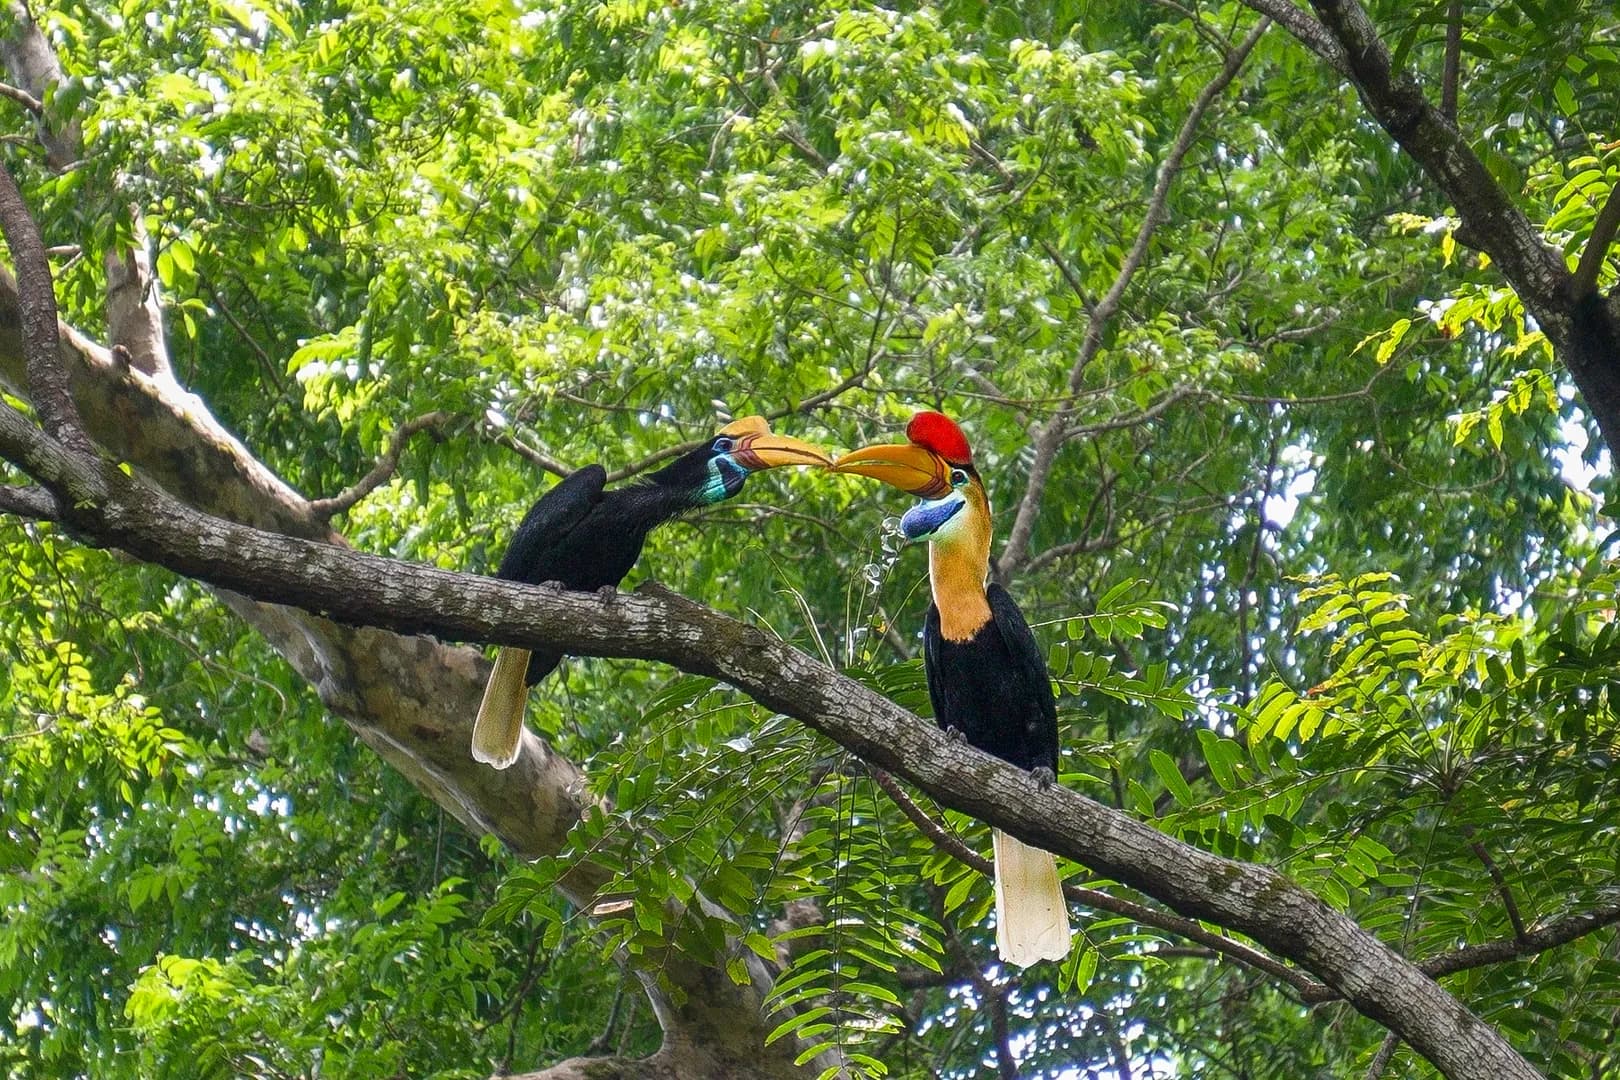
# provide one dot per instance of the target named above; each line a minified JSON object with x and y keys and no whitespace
{"x":498,"y":732}
{"x":1032,"y":919}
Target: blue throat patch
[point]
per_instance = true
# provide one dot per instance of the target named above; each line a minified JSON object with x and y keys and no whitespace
{"x":925,"y":518}
{"x":721,"y":469}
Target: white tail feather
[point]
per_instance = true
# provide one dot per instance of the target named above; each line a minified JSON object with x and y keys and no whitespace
{"x":1032,"y":920}
{"x":498,"y":732}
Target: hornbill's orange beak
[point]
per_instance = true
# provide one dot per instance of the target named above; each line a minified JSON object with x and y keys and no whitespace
{"x":757,"y":447}
{"x":910,"y":468}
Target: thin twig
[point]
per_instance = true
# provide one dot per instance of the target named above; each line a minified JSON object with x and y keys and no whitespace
{"x":960,"y":963}
{"x":23,"y":98}
{"x":809,"y":404}
{"x":1502,"y":890}
{"x":1538,"y":940}
{"x":1146,"y":416}
{"x":1386,"y":1051}
{"x":1106,"y":538}
{"x":1597,"y":246}
{"x":270,"y":367}
{"x":1116,"y":1042}
{"x":1448,"y":77}
{"x":530,"y":973}
{"x":528,"y":453}
{"x":1006,"y":1064}
{"x":604,"y":1042}
{"x":1053,"y":433}
{"x":325,"y":509}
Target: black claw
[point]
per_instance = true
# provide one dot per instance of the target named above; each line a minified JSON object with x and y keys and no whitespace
{"x":954,"y":733}
{"x":1043,"y":777}
{"x":607,"y":593}
{"x":554,"y":586}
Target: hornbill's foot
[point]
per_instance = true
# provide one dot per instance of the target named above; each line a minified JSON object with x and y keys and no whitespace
{"x":954,"y":733}
{"x":1043,"y":777}
{"x":554,"y":585}
{"x":607,"y":593}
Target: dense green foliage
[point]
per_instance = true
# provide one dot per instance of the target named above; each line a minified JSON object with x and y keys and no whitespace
{"x":1323,"y":569}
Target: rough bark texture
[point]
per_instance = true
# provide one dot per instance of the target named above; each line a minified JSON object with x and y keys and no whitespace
{"x":33,"y":66}
{"x":354,"y":588}
{"x":36,"y":321}
{"x":410,"y":698}
{"x":134,"y":311}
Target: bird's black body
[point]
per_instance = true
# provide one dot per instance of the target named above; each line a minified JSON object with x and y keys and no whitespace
{"x":587,"y":537}
{"x":993,"y":687}
{"x":987,"y":676}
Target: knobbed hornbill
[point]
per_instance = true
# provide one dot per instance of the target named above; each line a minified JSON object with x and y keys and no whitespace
{"x":587,"y":538}
{"x":987,"y":678}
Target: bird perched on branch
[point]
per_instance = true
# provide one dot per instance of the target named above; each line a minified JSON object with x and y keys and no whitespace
{"x":987,"y":678}
{"x":586,"y":538}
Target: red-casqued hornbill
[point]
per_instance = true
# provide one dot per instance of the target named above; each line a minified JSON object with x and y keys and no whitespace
{"x":586,"y":538}
{"x":987,"y":678}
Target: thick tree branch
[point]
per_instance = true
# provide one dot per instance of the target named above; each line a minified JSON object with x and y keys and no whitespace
{"x":1397,"y":102}
{"x":325,"y":509}
{"x":97,"y":491}
{"x":47,"y":378}
{"x":1588,"y":341}
{"x":1054,"y":431}
{"x":1310,"y":33}
{"x":134,"y":310}
{"x":34,"y":68}
{"x":410,"y":699}
{"x":27,"y":502}
{"x":660,"y":1066}
{"x":357,"y":588}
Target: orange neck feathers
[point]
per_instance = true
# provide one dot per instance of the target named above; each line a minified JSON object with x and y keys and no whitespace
{"x":958,"y":564}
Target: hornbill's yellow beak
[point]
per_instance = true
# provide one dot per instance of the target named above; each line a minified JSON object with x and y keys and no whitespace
{"x":908,"y":467}
{"x":757,"y":447}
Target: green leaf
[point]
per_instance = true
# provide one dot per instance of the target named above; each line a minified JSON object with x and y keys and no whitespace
{"x":1170,"y":775}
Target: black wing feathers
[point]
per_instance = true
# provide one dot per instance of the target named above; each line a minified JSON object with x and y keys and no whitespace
{"x":1024,"y":649}
{"x":993,"y":687}
{"x":931,"y":667}
{"x":553,"y":516}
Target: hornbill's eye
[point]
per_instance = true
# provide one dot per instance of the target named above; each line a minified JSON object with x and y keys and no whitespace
{"x":958,"y":478}
{"x":725,"y":445}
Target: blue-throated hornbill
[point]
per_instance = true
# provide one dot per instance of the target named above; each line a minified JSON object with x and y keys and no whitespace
{"x":586,"y":537}
{"x":987,"y":678}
